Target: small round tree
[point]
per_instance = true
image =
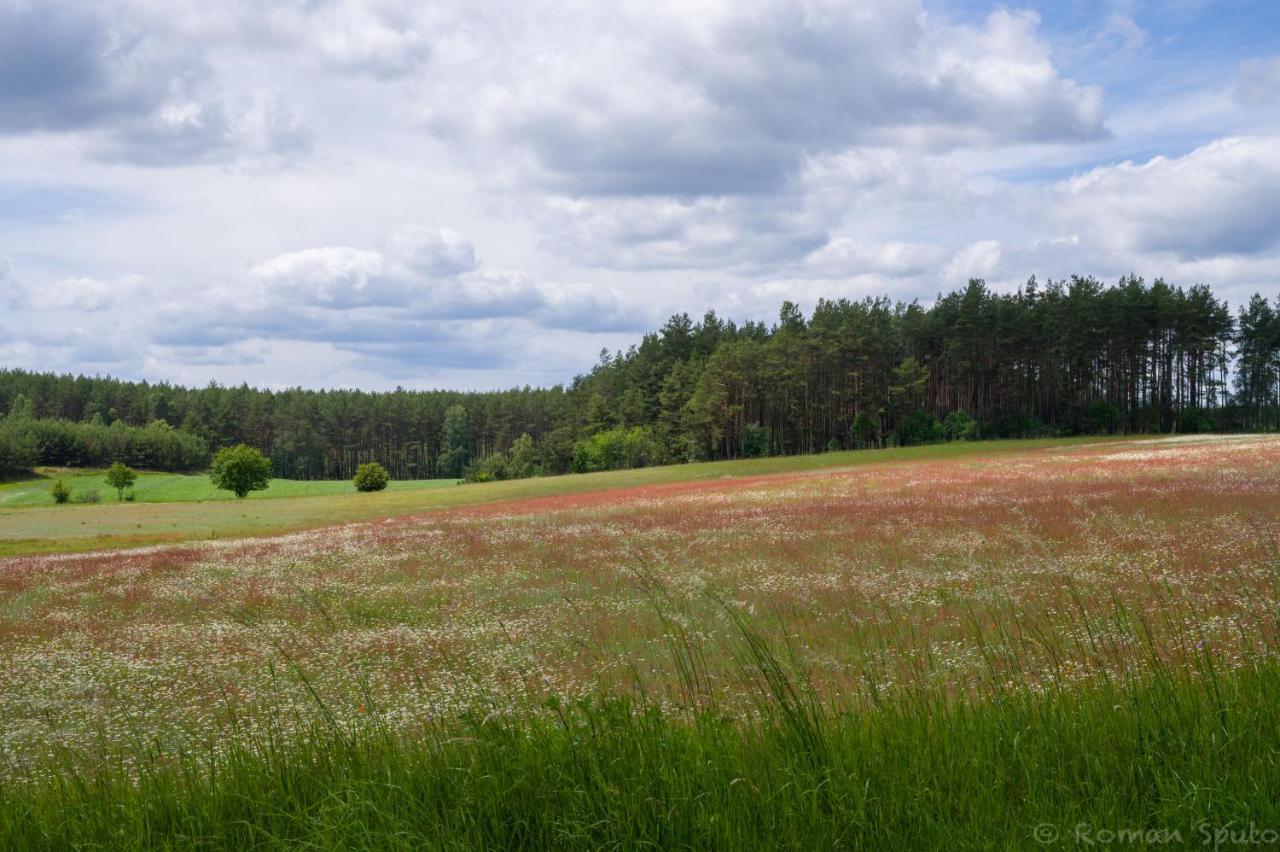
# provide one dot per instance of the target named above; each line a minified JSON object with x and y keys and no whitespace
{"x":370,"y":476}
{"x":240,"y":469}
{"x":120,"y":476}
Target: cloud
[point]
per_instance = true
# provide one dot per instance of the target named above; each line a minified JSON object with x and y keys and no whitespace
{"x":85,"y":294}
{"x":979,"y":260}
{"x":381,"y":39}
{"x":64,"y":65}
{"x":678,"y":233}
{"x":421,"y":288}
{"x":1219,"y":199}
{"x":846,"y":257}
{"x":123,"y":76}
{"x":335,"y":277}
{"x":791,"y":229}
{"x":653,"y":100}
{"x":184,"y":131}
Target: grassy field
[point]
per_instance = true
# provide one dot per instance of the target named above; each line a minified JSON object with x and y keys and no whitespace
{"x":166,"y":509}
{"x":1050,"y":645}
{"x":154,"y":487}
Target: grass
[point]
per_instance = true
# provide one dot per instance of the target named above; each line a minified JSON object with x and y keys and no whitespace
{"x":173,"y":507}
{"x":1184,"y":757}
{"x":154,"y":487}
{"x":1074,"y":644}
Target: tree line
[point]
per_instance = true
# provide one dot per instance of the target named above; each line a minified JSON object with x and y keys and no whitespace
{"x":27,"y":441}
{"x":1059,"y":358}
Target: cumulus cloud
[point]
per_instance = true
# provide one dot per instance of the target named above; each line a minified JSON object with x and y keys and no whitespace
{"x":418,"y":297}
{"x":659,"y":101}
{"x":335,"y":276}
{"x":979,"y":260}
{"x":1222,"y":198}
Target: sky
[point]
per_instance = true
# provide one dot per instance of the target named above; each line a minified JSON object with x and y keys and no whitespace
{"x":486,"y":193}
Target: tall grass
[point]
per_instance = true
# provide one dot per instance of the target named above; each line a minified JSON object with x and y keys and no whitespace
{"x":1159,"y":743}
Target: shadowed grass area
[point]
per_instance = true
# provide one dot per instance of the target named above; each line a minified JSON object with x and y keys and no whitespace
{"x":290,"y":505}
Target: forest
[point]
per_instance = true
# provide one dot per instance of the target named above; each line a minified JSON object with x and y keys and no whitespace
{"x":1064,"y":357}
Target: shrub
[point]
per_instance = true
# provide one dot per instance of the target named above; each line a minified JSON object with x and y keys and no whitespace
{"x":89,"y":496}
{"x":370,"y":476}
{"x":130,"y":495}
{"x":240,"y":469}
{"x":755,"y":441}
{"x":920,"y":428}
{"x":617,"y":449}
{"x":61,"y":492}
{"x":960,"y":426}
{"x":492,"y":467}
{"x":1194,"y":420}
{"x":865,"y":431}
{"x":120,"y":476}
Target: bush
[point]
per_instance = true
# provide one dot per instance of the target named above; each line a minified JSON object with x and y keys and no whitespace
{"x":89,"y":496}
{"x":130,"y":496}
{"x":492,"y":467}
{"x":1193,"y":420}
{"x":240,"y":469}
{"x":959,"y":426}
{"x":755,"y":441}
{"x":370,"y":476}
{"x":617,"y":449}
{"x":61,"y":492}
{"x":865,"y":431}
{"x":920,"y":428}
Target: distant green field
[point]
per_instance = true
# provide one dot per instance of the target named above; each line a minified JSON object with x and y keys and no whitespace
{"x":180,"y":488}
{"x":187,"y":507}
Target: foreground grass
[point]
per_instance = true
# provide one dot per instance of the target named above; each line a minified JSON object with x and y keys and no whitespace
{"x":58,"y":529}
{"x":1185,"y":756}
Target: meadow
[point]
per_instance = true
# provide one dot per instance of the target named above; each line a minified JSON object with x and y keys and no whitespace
{"x":1037,"y":644}
{"x":176,"y":507}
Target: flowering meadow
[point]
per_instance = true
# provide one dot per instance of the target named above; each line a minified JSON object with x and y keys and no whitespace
{"x":873,"y":576}
{"x":956,"y":582}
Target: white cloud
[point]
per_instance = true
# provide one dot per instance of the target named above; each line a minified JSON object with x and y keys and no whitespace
{"x":651,"y":99}
{"x":336,"y":276}
{"x":979,"y":260}
{"x":1220,"y":199}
